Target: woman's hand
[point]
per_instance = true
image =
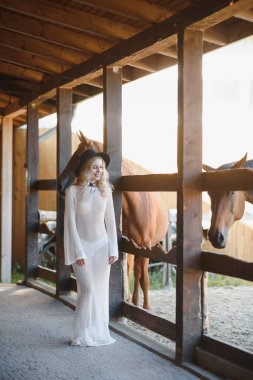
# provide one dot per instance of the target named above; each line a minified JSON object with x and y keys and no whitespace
{"x":112,"y":259}
{"x":80,"y":262}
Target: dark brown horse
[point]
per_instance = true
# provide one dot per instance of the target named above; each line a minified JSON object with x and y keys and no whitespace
{"x":227,"y":206}
{"x":144,"y":218}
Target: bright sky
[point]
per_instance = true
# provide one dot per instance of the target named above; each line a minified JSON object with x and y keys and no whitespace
{"x":150,"y":112}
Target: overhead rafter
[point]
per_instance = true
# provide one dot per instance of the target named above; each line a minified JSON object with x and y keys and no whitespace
{"x":245,"y":15}
{"x":66,"y":16}
{"x":138,"y":9}
{"x":52,"y":33}
{"x":157,"y":36}
{"x":41,"y":48}
{"x":32,"y":61}
{"x":227,"y":12}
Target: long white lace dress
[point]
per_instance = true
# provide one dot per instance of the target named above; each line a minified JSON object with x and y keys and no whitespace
{"x":90,"y":233}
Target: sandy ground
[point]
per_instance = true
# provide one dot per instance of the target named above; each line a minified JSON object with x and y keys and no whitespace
{"x":230,"y":313}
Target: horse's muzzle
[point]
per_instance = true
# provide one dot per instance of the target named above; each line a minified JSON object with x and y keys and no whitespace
{"x":217,"y":239}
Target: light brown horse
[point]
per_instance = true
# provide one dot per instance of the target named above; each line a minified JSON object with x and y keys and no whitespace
{"x":227,"y":206}
{"x":144,"y":218}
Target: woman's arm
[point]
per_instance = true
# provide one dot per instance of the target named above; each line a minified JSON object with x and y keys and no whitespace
{"x":72,"y":244}
{"x":111,"y":228}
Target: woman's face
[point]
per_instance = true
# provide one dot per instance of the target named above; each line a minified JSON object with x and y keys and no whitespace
{"x":97,"y":169}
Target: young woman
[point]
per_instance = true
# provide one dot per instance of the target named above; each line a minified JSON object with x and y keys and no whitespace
{"x":90,"y":244}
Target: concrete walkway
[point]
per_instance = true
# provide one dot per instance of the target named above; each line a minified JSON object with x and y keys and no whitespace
{"x":34,"y":344}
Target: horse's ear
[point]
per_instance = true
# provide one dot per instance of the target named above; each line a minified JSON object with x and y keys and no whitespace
{"x":82,"y":138}
{"x":240,"y":163}
{"x":208,"y":168}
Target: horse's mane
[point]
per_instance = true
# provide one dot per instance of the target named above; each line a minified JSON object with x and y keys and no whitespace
{"x":248,"y":164}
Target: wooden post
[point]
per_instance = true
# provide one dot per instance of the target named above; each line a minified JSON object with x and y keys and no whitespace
{"x":6,"y":199}
{"x":113,"y":145}
{"x":64,"y":117}
{"x":189,"y":206}
{"x":32,"y":214}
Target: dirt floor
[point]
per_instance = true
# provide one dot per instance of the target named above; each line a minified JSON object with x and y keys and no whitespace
{"x":230,"y":314}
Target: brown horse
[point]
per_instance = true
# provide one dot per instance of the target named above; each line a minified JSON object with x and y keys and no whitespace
{"x":227,"y":206}
{"x":144,"y":218}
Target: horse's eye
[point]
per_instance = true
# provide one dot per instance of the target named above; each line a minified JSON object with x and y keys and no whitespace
{"x":231,"y":193}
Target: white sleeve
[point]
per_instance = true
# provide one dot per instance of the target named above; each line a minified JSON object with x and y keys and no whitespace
{"x":111,"y":227}
{"x":73,"y":249}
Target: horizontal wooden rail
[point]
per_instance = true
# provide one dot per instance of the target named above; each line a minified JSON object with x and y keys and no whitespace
{"x":47,"y":274}
{"x":46,"y":184}
{"x":72,"y":284}
{"x":229,"y":352}
{"x":152,"y":322}
{"x":226,"y":265}
{"x":229,"y":179}
{"x":148,"y":182}
{"x":157,"y":253}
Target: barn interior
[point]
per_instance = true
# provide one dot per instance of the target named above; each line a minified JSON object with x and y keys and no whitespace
{"x":55,"y":54}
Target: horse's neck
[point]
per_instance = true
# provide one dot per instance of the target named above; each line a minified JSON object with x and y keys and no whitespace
{"x":249,"y":194}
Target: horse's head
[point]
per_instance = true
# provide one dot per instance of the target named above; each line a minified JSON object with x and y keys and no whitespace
{"x":226,"y":206}
{"x":67,"y":177}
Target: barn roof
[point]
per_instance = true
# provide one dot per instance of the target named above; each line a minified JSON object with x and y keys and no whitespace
{"x":45,"y":44}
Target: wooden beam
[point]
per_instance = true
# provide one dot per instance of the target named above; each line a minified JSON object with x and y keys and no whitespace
{"x":216,"y":35}
{"x":232,"y":8}
{"x":64,"y":117}
{"x":228,"y":266}
{"x":20,"y":72}
{"x":6,"y":199}
{"x":189,"y":198}
{"x":52,"y":33}
{"x":151,"y":321}
{"x":42,"y":48}
{"x":225,"y":180}
{"x":227,"y":351}
{"x":112,"y":97}
{"x":155,"y":254}
{"x":148,"y":182}
{"x":138,"y":9}
{"x":32,"y":214}
{"x":47,"y":274}
{"x":31,"y":61}
{"x":238,"y":30}
{"x":46,"y":184}
{"x":246,"y":15}
{"x":158,"y":36}
{"x":77,"y":19}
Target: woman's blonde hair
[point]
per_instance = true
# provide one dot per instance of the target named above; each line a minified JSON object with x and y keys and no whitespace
{"x":86,"y":175}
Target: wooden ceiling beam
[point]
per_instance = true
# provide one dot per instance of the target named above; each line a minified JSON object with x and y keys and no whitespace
{"x":122,"y":54}
{"x":20,"y":72}
{"x":86,"y":90}
{"x":32,"y":61}
{"x":216,"y":35}
{"x":154,"y":63}
{"x":246,"y":15}
{"x":169,"y":51}
{"x":7,"y":98}
{"x":46,"y":31}
{"x":227,"y":12}
{"x":71,"y":18}
{"x":238,"y":30}
{"x":41,"y":48}
{"x":138,"y":9}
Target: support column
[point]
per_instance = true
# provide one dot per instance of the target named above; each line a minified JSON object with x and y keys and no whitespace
{"x":189,"y":206}
{"x":6,"y":199}
{"x":64,"y":150}
{"x":32,"y":215}
{"x":113,"y":145}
